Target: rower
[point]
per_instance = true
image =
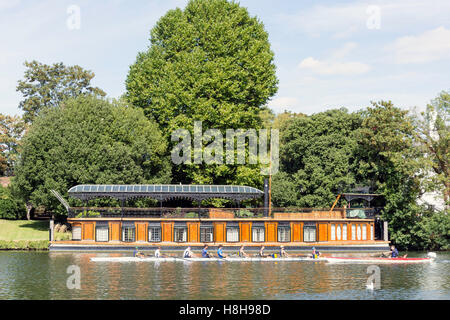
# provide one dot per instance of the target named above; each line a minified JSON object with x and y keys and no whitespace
{"x":187,"y":253}
{"x":242,"y":253}
{"x":205,"y":253}
{"x":261,"y":252}
{"x":137,"y":253}
{"x":283,"y":253}
{"x":315,"y":253}
{"x":220,"y":252}
{"x":394,"y":253}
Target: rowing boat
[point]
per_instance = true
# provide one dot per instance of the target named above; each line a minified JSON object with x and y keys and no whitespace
{"x":229,"y":259}
{"x":375,"y":260}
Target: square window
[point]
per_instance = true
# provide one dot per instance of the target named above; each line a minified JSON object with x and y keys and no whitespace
{"x":206,"y":234}
{"x":232,"y":234}
{"x":284,"y":234}
{"x":258,"y":234}
{"x":101,"y":234}
{"x":309,"y":234}
{"x":154,"y":234}
{"x":180,"y":234}
{"x":128,"y":234}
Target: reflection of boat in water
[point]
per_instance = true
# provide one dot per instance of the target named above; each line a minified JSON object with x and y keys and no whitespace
{"x":375,"y":260}
{"x":228,"y":259}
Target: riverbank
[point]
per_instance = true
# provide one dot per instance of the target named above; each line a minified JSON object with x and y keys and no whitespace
{"x":26,"y":235}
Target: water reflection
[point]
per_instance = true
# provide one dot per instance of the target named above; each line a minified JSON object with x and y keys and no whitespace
{"x":42,"y":275}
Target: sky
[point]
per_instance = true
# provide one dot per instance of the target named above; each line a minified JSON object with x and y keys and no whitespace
{"x":329,"y":54}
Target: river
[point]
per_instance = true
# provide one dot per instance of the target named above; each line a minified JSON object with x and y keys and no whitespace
{"x":47,"y":275}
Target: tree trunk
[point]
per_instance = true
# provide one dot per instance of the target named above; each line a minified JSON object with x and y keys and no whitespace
{"x":29,"y":208}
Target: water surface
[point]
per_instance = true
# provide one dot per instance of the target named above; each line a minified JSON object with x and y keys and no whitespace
{"x":43,"y":275}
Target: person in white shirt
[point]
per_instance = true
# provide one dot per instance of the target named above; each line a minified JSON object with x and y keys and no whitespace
{"x":187,"y":253}
{"x":158,"y":252}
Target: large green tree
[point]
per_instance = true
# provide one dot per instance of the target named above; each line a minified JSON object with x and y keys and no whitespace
{"x":391,"y":162}
{"x":12,"y":129}
{"x":88,"y":140}
{"x":433,"y":135}
{"x":48,"y":85}
{"x":316,"y":158}
{"x":210,"y":62}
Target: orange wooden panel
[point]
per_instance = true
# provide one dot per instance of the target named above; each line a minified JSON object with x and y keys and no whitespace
{"x":114,"y":231}
{"x":88,"y":231}
{"x":167,"y":231}
{"x":141,"y":231}
{"x":193,"y":231}
{"x":296,"y":231}
{"x":219,"y":231}
{"x":271,"y":231}
{"x":349,"y":231}
{"x":245,"y":231}
{"x":323,"y":231}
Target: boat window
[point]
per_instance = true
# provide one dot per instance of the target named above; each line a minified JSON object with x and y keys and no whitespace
{"x":232,"y":234}
{"x":258,"y":234}
{"x":180,"y":234}
{"x":338,"y":232}
{"x":371,"y":232}
{"x":333,"y":231}
{"x":76,"y":233}
{"x":206,"y":234}
{"x":284,"y":234}
{"x":154,"y":234}
{"x":128,"y":234}
{"x":353,"y":232}
{"x":102,"y":233}
{"x":309,"y":233}
{"x":364,"y":232}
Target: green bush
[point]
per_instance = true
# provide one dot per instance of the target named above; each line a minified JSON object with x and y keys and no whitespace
{"x":24,"y":245}
{"x":437,"y":231}
{"x":88,"y":214}
{"x":244,"y":213}
{"x":10,"y":208}
{"x":191,"y":215}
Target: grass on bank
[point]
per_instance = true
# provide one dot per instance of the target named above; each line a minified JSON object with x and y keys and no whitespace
{"x":13,"y":230}
{"x":27,"y":235}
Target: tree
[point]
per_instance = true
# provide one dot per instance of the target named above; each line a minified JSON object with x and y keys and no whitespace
{"x":88,"y":140}
{"x":48,"y":85}
{"x":12,"y":129}
{"x":316,"y":158}
{"x":433,"y":135}
{"x":390,"y":161}
{"x":210,"y":62}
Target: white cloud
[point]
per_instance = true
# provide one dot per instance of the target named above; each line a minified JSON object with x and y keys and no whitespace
{"x":428,"y":46}
{"x":283,"y":103}
{"x":334,"y":68}
{"x":346,"y":20}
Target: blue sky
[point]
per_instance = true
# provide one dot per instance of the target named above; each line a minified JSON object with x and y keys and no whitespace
{"x":329,"y":54}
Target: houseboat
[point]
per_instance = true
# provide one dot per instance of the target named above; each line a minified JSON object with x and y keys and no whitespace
{"x":125,"y":228}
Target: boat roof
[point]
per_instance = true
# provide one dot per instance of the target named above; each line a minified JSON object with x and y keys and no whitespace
{"x":164,"y":191}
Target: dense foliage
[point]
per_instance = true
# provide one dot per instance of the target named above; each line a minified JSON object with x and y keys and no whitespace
{"x":11,"y":208}
{"x":12,"y":129}
{"x":210,"y":62}
{"x":317,"y":156}
{"x":48,"y":85}
{"x":89,"y":140}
